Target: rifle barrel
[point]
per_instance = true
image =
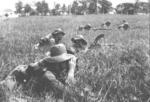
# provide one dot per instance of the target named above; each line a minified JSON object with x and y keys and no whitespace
{"x":100,"y":29}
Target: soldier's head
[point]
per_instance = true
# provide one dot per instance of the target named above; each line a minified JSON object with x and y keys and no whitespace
{"x":79,"y":41}
{"x":58,"y":35}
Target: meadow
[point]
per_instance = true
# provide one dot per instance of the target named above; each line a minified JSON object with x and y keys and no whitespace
{"x":112,"y":74}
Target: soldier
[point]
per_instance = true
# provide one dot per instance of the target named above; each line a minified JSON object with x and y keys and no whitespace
{"x":58,"y":66}
{"x":51,"y":39}
{"x":124,"y":25}
{"x":57,"y":69}
{"x":79,"y":44}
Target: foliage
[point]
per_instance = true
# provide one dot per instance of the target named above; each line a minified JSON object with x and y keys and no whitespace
{"x":91,"y":6}
{"x":142,"y":7}
{"x":27,"y":8}
{"x":100,"y":6}
{"x":125,"y":8}
{"x":56,"y":10}
{"x":81,"y":7}
{"x":42,"y":7}
{"x":74,"y":8}
{"x":57,"y":6}
{"x":19,"y":7}
{"x":45,"y":7}
{"x":33,"y":12}
{"x":39,"y":7}
{"x":64,"y":8}
{"x":105,"y":6}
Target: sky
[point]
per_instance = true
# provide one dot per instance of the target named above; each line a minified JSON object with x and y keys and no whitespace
{"x":10,"y":4}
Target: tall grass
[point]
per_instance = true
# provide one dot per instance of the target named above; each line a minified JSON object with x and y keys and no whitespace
{"x":108,"y":74}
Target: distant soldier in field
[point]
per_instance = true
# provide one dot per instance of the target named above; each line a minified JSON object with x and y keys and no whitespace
{"x":51,"y":39}
{"x":80,"y":28}
{"x":124,"y":25}
{"x":106,"y":24}
{"x":79,"y":44}
{"x":86,"y":27}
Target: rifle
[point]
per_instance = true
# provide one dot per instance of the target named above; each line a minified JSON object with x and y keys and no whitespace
{"x":100,"y":29}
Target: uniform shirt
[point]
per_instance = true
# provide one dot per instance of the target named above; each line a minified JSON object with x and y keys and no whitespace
{"x":60,"y":71}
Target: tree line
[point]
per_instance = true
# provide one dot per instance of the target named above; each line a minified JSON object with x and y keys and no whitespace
{"x":80,"y":7}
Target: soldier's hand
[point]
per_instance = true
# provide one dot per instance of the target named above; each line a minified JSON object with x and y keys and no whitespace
{"x":72,"y":61}
{"x":70,"y":80}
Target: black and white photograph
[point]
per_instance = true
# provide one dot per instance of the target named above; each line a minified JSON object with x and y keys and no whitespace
{"x":74,"y":51}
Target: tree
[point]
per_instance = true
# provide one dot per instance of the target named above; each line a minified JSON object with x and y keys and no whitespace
{"x":69,"y":9}
{"x":19,"y":7}
{"x":96,"y":6}
{"x":92,"y":6}
{"x":84,"y":7}
{"x":45,"y":8}
{"x":39,"y":7}
{"x":136,"y":6}
{"x":56,"y":9}
{"x":42,"y":7}
{"x":64,"y":8}
{"x":142,"y":7}
{"x":27,"y":8}
{"x":105,"y":6}
{"x":125,"y":8}
{"x":53,"y":11}
{"x":33,"y":12}
{"x":57,"y":6}
{"x":74,"y":7}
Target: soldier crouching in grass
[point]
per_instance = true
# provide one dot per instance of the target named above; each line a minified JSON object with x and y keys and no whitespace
{"x":51,"y":39}
{"x":58,"y":64}
{"x":57,"y":70}
{"x":79,"y":44}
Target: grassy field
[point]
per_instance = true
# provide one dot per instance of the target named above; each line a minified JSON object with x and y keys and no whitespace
{"x":117,"y":74}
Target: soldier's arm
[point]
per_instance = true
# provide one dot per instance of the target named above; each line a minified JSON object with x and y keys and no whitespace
{"x":34,"y":67}
{"x":72,"y":65}
{"x":39,"y":65}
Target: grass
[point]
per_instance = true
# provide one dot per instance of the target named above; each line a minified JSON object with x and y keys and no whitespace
{"x":117,"y":74}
